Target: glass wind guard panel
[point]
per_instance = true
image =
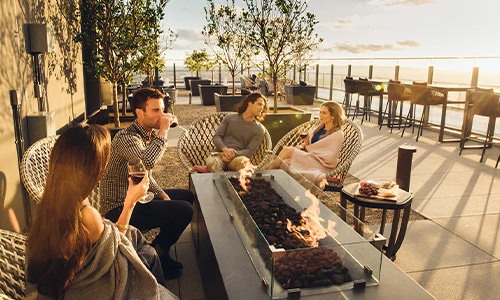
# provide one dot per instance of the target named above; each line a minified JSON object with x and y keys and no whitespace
{"x":343,"y":257}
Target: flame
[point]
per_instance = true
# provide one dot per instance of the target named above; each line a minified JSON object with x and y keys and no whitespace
{"x":311,"y":223}
{"x":245,"y":172}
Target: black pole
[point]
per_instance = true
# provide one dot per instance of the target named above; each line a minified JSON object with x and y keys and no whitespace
{"x":15,"y":101}
{"x":403,"y":168}
{"x":175,"y":78}
{"x":220,"y":73}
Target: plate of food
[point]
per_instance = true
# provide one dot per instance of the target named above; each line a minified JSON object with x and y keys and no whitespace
{"x":381,"y":189}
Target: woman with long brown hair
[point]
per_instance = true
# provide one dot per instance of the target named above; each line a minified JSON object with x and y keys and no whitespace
{"x":72,"y":252}
{"x":320,"y":150}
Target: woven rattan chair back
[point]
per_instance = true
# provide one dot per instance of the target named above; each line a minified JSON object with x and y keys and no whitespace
{"x":12,"y":265}
{"x":353,"y":137}
{"x":195,"y":144}
{"x":35,"y":167}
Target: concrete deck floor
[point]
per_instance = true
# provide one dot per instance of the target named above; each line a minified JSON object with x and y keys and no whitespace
{"x":454,"y":253}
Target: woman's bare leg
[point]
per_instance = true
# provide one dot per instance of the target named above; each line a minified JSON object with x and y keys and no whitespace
{"x":285,"y":153}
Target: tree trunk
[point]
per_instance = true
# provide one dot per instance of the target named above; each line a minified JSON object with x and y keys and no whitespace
{"x":115,"y":106}
{"x":275,"y":83}
{"x":234,"y":86}
{"x":124,"y":99}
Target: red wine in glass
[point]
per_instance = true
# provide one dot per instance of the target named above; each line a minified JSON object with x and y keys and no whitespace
{"x":137,"y":171}
{"x":137,"y":176}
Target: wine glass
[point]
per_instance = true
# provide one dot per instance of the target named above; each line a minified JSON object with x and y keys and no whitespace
{"x":137,"y":171}
{"x":175,"y":122}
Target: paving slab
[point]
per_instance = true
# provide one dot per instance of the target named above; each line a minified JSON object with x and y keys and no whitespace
{"x":429,"y":246}
{"x":472,"y":282}
{"x":480,"y":230}
{"x":456,"y":206}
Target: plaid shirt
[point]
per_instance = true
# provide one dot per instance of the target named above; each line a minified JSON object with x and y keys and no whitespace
{"x":131,"y":142}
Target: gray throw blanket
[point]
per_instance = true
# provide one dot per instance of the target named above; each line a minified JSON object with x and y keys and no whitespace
{"x":113,"y":270}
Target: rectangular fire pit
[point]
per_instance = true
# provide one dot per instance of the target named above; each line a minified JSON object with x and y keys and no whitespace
{"x":296,"y":244}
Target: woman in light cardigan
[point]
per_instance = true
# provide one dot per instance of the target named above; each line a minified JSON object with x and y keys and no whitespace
{"x":320,"y":151}
{"x":73,"y":253}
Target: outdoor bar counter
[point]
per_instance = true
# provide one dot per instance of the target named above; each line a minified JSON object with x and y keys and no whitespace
{"x":228,"y":273}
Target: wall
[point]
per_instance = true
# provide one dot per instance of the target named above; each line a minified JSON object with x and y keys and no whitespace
{"x":61,"y":77}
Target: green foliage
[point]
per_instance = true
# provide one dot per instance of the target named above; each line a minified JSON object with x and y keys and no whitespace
{"x":126,"y":35}
{"x":225,"y":35}
{"x":199,"y":60}
{"x":122,"y":36}
{"x":283,"y":30}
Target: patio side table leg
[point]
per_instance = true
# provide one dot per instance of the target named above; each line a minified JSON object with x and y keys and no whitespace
{"x":389,"y":252}
{"x":402,"y":230}
{"x":382,"y":222}
{"x":343,"y":203}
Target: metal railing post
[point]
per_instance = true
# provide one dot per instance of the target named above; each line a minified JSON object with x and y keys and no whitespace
{"x":317,"y":81}
{"x":475,"y":77}
{"x":330,"y":97}
{"x":175,"y":78}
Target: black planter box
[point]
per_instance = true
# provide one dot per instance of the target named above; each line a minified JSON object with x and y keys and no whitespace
{"x":300,"y":95}
{"x":227,"y":102}
{"x":207,"y":92}
{"x":186,"y":81}
{"x":280,"y":124}
{"x":194,"y":85}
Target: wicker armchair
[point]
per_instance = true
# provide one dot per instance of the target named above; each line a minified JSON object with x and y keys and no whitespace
{"x":353,"y":137}
{"x":195,"y":144}
{"x":35,"y":167}
{"x":12,"y":265}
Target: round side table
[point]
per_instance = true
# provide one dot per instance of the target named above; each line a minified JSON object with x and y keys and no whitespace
{"x":398,"y":231}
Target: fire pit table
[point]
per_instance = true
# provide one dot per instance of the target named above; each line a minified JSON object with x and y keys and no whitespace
{"x":238,"y":262}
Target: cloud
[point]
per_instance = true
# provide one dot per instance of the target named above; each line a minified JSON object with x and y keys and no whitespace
{"x":344,"y":22}
{"x":408,"y":43}
{"x":361,"y":48}
{"x":188,"y":39}
{"x":398,"y":2}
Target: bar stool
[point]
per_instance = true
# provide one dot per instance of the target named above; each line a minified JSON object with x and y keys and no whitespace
{"x":351,"y":88}
{"x":366,"y":89}
{"x":486,"y":104}
{"x":397,"y":94}
{"x":425,"y":96}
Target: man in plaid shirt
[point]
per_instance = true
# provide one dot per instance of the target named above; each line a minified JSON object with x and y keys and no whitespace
{"x":171,"y":209}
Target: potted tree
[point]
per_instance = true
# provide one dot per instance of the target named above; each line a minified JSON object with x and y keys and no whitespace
{"x":114,"y":57}
{"x":195,"y":62}
{"x":280,"y":29}
{"x":226,"y":38}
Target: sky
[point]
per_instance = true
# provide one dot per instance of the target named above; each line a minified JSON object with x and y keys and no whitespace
{"x":372,"y":28}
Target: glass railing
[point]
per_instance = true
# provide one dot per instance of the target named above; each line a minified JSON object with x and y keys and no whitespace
{"x":328,"y":75}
